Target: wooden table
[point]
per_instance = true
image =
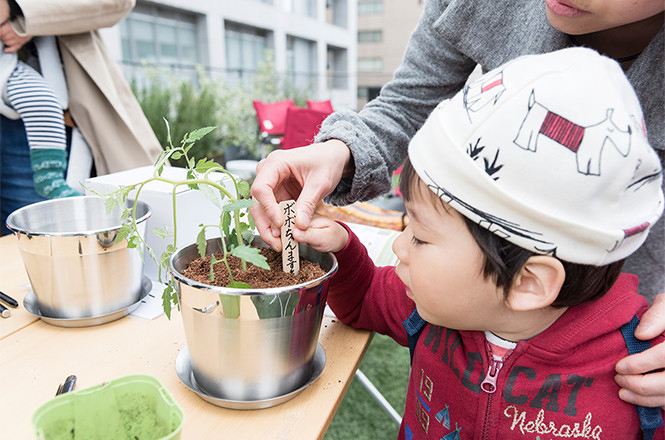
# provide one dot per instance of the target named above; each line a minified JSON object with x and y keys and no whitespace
{"x":36,"y":357}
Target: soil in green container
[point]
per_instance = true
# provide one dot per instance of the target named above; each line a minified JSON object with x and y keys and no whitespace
{"x":138,"y":420}
{"x":139,"y":417}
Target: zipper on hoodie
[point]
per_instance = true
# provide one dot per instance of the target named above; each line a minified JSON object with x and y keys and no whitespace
{"x":488,"y":384}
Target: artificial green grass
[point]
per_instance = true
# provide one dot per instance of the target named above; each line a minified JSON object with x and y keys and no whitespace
{"x":359,"y":416}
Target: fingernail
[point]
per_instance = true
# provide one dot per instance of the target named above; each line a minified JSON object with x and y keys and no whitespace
{"x":645,"y":325}
{"x":627,"y":396}
{"x":620,"y":381}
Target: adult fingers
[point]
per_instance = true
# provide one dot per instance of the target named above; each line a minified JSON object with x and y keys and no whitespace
{"x":273,"y":183}
{"x":642,"y":378}
{"x":642,"y":389}
{"x":644,"y":362}
{"x":265,"y":228}
{"x":652,"y":323}
{"x":270,"y":173}
{"x":312,"y":193}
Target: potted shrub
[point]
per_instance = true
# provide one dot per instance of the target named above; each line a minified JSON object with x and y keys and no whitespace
{"x":244,"y":343}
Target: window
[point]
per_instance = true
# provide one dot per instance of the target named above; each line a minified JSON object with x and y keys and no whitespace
{"x":245,"y":49}
{"x":370,"y":36}
{"x":160,"y":36}
{"x":370,"y":64}
{"x":336,"y":12}
{"x":302,"y":7}
{"x":301,"y":61}
{"x":370,"y":7}
{"x":337,"y":68}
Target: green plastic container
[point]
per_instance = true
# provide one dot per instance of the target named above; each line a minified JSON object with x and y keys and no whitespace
{"x":136,"y":407}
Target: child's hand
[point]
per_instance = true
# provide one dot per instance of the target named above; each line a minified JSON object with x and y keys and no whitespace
{"x":323,"y":235}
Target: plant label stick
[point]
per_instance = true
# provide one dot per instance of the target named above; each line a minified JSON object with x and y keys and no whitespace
{"x":290,"y":254}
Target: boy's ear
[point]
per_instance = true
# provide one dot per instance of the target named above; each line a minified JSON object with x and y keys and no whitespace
{"x":538,"y":284}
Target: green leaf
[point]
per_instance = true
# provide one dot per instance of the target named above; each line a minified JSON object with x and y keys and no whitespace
{"x":110,"y":204}
{"x":176,"y":155}
{"x":204,"y":165}
{"x":251,"y":255}
{"x":126,"y":190}
{"x":226,"y":223}
{"x":239,"y":204}
{"x":201,"y":242}
{"x":123,"y":233}
{"x":211,"y":194}
{"x":243,"y":190}
{"x":190,"y":176}
{"x":133,"y":242}
{"x":159,"y":232}
{"x":247,"y":233}
{"x":199,"y":133}
{"x":239,"y":285}
{"x":166,"y":300}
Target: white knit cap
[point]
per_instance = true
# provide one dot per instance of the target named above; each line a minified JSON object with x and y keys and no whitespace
{"x":549,"y":152}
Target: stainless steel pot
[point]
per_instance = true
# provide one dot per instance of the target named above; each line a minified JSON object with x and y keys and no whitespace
{"x":75,"y":269}
{"x":251,"y":344}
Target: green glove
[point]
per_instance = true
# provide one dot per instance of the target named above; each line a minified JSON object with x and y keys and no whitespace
{"x":48,"y":166}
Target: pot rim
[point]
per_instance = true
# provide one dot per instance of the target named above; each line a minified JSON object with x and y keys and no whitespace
{"x":20,"y":230}
{"x":251,"y":291}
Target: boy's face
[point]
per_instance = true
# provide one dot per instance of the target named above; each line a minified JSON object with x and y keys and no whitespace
{"x":579,"y":17}
{"x":441,"y":265}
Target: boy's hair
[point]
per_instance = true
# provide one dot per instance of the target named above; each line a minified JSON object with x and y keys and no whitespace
{"x":503,"y":260}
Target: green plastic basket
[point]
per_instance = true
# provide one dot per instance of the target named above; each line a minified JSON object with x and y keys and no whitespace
{"x":136,"y":407}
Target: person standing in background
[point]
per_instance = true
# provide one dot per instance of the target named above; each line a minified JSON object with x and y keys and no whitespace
{"x":100,"y":102}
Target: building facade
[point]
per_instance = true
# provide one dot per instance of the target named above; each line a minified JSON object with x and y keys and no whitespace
{"x":384,"y":28}
{"x":313,"y":41}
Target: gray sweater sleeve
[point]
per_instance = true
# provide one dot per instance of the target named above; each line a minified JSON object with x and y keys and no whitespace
{"x":378,"y":136}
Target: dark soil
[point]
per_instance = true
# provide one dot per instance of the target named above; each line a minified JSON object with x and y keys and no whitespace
{"x":199,"y":270}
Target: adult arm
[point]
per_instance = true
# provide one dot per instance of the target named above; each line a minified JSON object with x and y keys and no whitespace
{"x":375,"y":139}
{"x":637,"y":387}
{"x":378,"y":136}
{"x":62,"y":17}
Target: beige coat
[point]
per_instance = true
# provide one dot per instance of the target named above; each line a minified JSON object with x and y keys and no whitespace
{"x":101,"y":102}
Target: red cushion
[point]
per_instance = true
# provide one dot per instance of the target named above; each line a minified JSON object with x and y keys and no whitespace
{"x":302,"y":125}
{"x":272,"y":116}
{"x":322,"y":106}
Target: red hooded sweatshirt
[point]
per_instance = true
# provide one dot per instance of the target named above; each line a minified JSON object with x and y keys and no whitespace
{"x":556,"y":385}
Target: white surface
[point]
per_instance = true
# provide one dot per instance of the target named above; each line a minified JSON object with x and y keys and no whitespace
{"x":192,"y":207}
{"x":151,"y":305}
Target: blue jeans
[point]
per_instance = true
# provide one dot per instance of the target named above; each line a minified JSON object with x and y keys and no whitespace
{"x":16,"y":186}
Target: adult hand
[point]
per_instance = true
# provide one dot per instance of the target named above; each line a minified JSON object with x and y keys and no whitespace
{"x":638,"y":387}
{"x":304,"y":174}
{"x":12,"y":41}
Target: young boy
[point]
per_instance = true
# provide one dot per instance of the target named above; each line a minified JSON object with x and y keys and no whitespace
{"x":525,"y":193}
